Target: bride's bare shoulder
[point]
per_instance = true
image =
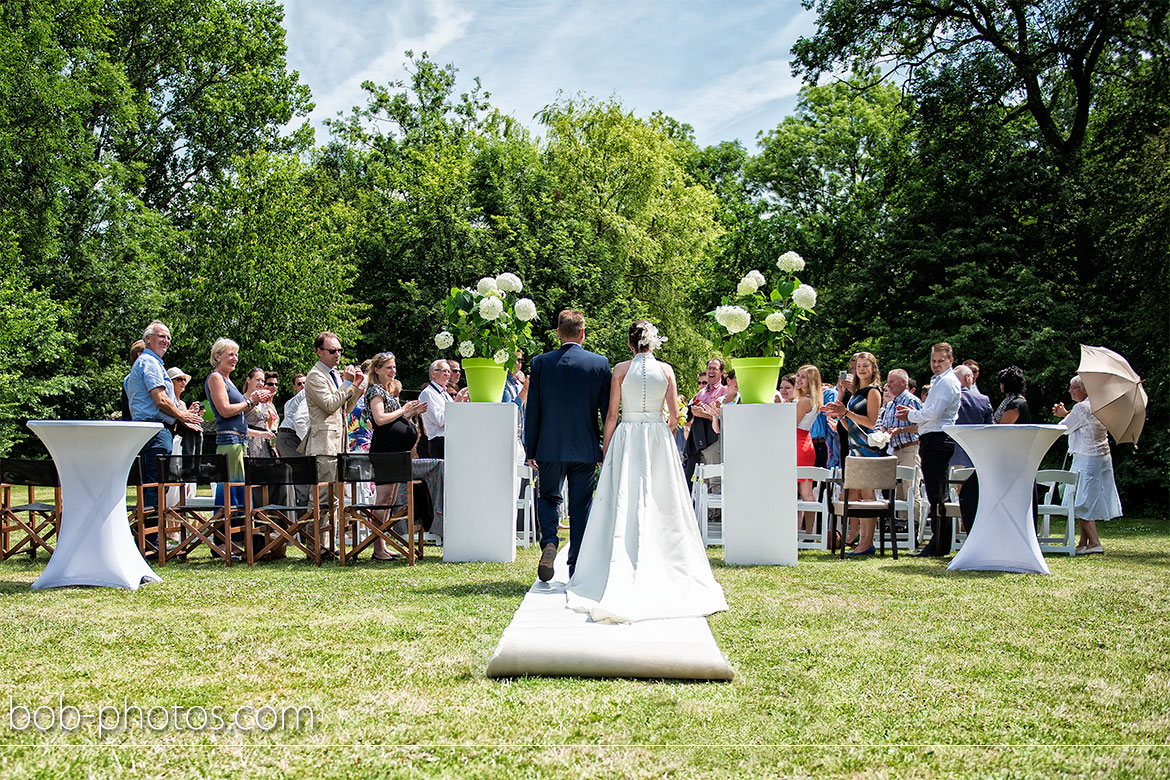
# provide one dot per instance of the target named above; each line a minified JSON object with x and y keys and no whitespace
{"x":621,"y":368}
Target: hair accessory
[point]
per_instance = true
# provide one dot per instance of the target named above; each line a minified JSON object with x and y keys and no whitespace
{"x":650,"y":337}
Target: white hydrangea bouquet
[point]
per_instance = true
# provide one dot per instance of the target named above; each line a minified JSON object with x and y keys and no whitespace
{"x":488,"y":321}
{"x":756,"y":321}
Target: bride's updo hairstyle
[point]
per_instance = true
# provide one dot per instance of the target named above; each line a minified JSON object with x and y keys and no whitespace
{"x":637,"y":331}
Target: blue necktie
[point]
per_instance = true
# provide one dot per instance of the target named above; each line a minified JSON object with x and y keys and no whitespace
{"x":333,"y":376}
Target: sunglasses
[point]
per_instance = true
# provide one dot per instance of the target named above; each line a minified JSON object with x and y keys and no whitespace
{"x":337,"y":351}
{"x":385,"y":355}
{"x":272,"y":384}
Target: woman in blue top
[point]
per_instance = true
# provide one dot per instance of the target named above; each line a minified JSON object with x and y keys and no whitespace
{"x":229,"y":405}
{"x":859,"y":417}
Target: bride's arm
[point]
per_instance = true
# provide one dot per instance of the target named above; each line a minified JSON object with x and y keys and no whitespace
{"x":615,"y":399}
{"x":671,"y":398}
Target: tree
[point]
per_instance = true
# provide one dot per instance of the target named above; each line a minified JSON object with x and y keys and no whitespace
{"x":1050,"y":58}
{"x":268,"y":264}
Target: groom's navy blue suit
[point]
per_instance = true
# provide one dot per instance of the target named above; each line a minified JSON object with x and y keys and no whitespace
{"x":568,"y":396}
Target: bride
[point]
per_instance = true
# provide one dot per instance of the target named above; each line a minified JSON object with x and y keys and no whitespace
{"x":642,"y":557}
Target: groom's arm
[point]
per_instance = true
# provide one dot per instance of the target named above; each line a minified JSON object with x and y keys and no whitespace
{"x":532,"y":411}
{"x":606,"y":392}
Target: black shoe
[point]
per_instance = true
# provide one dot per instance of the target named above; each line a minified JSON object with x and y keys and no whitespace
{"x":545,"y":570}
{"x":928,"y":552}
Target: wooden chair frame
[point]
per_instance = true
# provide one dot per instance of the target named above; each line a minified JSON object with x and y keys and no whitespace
{"x":856,"y":478}
{"x":213,"y":526}
{"x":378,"y":519}
{"x":820,"y":506}
{"x":284,"y":524}
{"x":40,"y":522}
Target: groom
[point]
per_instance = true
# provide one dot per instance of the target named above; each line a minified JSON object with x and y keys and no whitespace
{"x":568,"y":394}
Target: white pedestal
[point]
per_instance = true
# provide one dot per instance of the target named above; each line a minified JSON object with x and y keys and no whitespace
{"x":94,"y":544}
{"x":480,"y":483}
{"x":759,"y":484}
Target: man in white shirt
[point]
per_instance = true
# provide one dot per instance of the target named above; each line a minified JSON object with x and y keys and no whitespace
{"x":294,"y":426}
{"x":935,"y":447}
{"x":436,"y":397}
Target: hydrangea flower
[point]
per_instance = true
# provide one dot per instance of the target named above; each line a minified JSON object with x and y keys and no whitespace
{"x":501,"y":357}
{"x":776,"y":321}
{"x":734,"y":318}
{"x":466,"y":349}
{"x":490,"y":308}
{"x":804,"y":296}
{"x":790,"y":262}
{"x":746,"y":286}
{"x":757,"y":277}
{"x":509,"y":283}
{"x":487,"y":286}
{"x":525,"y":310}
{"x":444,"y":340}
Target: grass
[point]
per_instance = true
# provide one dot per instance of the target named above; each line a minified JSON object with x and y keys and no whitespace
{"x":865,"y":668}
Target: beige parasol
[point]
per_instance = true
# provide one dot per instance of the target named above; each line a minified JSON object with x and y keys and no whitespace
{"x":1116,"y":395}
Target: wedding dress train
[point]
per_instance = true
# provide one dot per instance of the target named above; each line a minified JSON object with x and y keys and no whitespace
{"x":642,"y":557}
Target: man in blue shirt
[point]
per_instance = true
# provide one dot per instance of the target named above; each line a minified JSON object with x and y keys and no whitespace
{"x":903,"y":433}
{"x":152,"y":399}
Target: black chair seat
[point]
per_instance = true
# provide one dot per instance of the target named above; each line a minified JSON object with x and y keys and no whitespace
{"x":35,"y":507}
{"x":282,"y":508}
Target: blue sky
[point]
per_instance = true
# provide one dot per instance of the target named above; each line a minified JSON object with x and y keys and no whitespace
{"x":722,"y":67}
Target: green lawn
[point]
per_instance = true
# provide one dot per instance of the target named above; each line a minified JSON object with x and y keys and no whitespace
{"x":866,"y":668}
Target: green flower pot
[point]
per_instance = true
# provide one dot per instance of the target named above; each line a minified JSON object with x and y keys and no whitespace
{"x":757,"y":378}
{"x":485,"y":379}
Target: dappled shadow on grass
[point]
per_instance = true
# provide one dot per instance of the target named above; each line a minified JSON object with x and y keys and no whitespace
{"x":499,"y":588}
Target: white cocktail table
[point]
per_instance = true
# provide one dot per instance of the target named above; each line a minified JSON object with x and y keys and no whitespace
{"x":94,"y":543}
{"x":1006,"y":458}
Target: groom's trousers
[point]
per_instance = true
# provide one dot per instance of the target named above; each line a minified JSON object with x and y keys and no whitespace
{"x":550,"y":476}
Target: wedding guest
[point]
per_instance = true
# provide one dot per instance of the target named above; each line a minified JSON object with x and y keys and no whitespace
{"x":729,"y":398}
{"x":810,"y":377}
{"x":436,"y":397}
{"x":456,"y":375}
{"x":703,"y":442}
{"x":973,"y":367}
{"x":808,"y":409}
{"x":973,"y":410}
{"x":136,"y":350}
{"x":291,"y":431}
{"x":1013,"y":409}
{"x":787,"y":391}
{"x":391,"y":425}
{"x":903,"y":434}
{"x":912,"y":386}
{"x":859,"y":418}
{"x":188,"y":439}
{"x":229,"y":406}
{"x":357,"y":422}
{"x":934,"y":446}
{"x":258,"y":418}
{"x":1088,"y":441}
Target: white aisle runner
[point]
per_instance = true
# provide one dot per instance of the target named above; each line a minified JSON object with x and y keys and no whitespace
{"x":545,"y":638}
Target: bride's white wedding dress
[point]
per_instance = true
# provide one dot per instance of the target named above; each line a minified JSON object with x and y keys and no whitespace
{"x":642,"y":557}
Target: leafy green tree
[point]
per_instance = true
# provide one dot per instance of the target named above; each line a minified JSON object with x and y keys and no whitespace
{"x":267,"y":264}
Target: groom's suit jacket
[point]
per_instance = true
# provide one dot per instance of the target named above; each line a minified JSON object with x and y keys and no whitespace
{"x":568,"y":396}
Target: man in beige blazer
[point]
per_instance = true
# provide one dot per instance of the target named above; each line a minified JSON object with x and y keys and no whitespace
{"x":330,"y":398}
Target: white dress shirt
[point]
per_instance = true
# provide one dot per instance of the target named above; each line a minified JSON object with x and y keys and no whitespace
{"x":1086,"y":434}
{"x":435,"y":417}
{"x":296,"y":414}
{"x":942,"y":404}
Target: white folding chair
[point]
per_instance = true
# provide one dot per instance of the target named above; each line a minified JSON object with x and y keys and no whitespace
{"x":1058,"y":496}
{"x":819,"y":538}
{"x":958,"y":535}
{"x":526,"y":503}
{"x":705,"y":501}
{"x":908,"y":477}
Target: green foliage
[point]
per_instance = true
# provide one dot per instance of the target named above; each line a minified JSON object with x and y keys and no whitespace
{"x":33,"y":347}
{"x":774,"y":315}
{"x":268,"y":266}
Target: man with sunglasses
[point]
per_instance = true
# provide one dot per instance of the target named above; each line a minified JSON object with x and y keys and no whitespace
{"x":330,"y":396}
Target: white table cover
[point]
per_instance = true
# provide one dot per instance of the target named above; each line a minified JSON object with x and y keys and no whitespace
{"x":759,"y":484}
{"x":94,"y":543}
{"x":1006,"y":458}
{"x":480,"y":483}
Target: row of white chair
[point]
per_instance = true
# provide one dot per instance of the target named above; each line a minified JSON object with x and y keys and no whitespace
{"x":1058,"y":496}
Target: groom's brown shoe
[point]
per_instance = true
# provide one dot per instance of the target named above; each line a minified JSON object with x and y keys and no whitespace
{"x":545,"y":570}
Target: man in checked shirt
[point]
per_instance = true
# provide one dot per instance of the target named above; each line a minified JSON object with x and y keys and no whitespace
{"x":903,"y":434}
